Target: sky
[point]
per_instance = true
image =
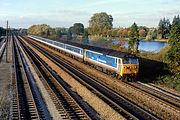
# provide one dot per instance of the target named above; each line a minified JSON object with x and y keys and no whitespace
{"x":64,"y":13}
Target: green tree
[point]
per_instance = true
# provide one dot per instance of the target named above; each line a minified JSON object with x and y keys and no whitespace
{"x":23,"y":31}
{"x":125,"y":33}
{"x":2,"y":31}
{"x":58,"y":32}
{"x":85,"y":37}
{"x":164,"y":28}
{"x":100,"y":21}
{"x":173,"y":54}
{"x":176,"y":21}
{"x":69,"y":33}
{"x":78,"y":28}
{"x":134,"y":38}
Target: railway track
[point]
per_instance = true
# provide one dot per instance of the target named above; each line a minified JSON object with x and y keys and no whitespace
{"x":173,"y":101}
{"x":2,"y":49}
{"x":26,"y":102}
{"x":68,"y":103}
{"x":172,"y":93}
{"x":126,"y":108}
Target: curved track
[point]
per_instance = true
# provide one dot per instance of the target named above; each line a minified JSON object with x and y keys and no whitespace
{"x":126,"y":108}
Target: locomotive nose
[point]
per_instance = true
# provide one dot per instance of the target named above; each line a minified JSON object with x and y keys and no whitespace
{"x":130,"y":69}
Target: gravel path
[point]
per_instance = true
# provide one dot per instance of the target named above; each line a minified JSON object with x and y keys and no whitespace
{"x":5,"y":81}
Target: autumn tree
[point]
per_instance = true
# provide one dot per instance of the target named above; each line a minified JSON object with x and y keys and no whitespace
{"x":134,"y":38}
{"x":45,"y":30}
{"x":120,"y":31}
{"x":125,"y":33}
{"x":115,"y":32}
{"x":143,"y":31}
{"x":41,"y":30}
{"x":152,"y":34}
{"x":100,"y":21}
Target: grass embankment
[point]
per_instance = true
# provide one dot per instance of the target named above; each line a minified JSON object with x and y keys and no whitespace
{"x":153,"y":68}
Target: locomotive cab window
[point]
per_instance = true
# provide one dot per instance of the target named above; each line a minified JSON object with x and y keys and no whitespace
{"x":134,"y":61}
{"x":126,"y":61}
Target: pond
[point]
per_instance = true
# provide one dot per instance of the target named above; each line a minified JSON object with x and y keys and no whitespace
{"x":149,"y":46}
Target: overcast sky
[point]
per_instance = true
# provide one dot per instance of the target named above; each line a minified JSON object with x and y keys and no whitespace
{"x":63,"y":13}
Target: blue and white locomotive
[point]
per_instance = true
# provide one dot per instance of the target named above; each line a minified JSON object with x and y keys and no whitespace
{"x":109,"y":61}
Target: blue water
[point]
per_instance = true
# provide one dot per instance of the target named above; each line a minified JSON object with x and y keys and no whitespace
{"x":149,"y":46}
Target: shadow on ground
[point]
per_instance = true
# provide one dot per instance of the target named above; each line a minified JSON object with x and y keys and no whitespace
{"x":150,"y":70}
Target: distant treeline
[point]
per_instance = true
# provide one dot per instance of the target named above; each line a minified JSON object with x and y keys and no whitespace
{"x":101,"y":24}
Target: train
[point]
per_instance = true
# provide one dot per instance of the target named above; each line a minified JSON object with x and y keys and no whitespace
{"x":120,"y":64}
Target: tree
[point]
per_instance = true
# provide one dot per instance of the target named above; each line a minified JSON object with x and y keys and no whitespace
{"x":40,"y":30}
{"x":143,"y":31}
{"x":58,"y":32}
{"x":120,"y":31}
{"x":2,"y":31}
{"x":164,"y":28}
{"x":78,"y":28}
{"x":152,"y":34}
{"x":125,"y":33}
{"x":69,"y":33}
{"x":173,"y":54}
{"x":85,"y":37}
{"x":100,"y":21}
{"x":134,"y":38}
{"x":23,"y":31}
{"x":176,"y":21}
{"x":115,"y":32}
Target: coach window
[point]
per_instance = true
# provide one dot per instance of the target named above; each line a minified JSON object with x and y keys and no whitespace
{"x":116,"y":60}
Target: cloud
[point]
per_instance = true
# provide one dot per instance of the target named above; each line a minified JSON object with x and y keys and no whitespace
{"x":105,"y":2}
{"x":63,"y":18}
{"x":5,"y":4}
{"x":72,"y":13}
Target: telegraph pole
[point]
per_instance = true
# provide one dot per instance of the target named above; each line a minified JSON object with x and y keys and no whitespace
{"x":7,"y":42}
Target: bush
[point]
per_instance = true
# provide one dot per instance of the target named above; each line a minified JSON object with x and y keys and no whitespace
{"x":172,"y":81}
